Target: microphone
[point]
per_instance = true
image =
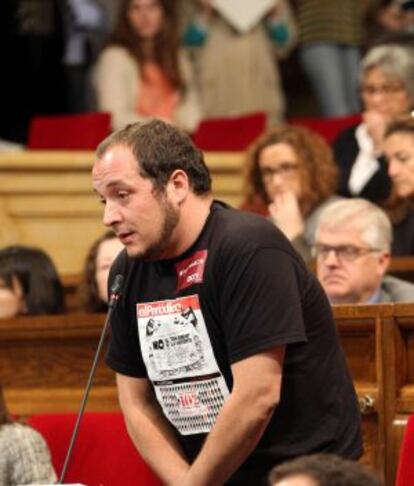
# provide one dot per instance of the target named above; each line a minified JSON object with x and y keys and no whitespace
{"x":114,"y":295}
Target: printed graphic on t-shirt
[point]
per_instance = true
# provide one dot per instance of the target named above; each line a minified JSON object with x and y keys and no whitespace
{"x":191,"y":270}
{"x":180,"y":363}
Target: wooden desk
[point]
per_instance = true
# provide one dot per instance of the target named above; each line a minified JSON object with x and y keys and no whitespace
{"x":45,"y":362}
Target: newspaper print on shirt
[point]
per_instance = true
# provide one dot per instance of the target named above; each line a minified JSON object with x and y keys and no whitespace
{"x":180,"y":363}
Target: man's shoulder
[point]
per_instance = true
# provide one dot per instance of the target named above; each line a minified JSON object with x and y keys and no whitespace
{"x":397,"y":290}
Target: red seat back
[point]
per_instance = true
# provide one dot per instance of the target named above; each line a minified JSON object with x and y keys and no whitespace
{"x":405,"y":473}
{"x":229,"y":134}
{"x":103,"y":454}
{"x":329,"y":128}
{"x":68,"y":132}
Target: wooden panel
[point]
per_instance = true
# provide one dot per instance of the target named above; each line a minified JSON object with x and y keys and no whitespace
{"x":46,"y":200}
{"x":45,"y":363}
{"x":360,"y":330}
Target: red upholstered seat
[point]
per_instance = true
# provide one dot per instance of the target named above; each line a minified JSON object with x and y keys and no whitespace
{"x":229,"y":134}
{"x":103,"y":454}
{"x":405,"y":473}
{"x":329,"y":128}
{"x":68,"y":132}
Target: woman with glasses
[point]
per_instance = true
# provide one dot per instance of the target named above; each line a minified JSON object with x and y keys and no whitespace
{"x":399,"y":153}
{"x":290,"y":176}
{"x":387,"y":91}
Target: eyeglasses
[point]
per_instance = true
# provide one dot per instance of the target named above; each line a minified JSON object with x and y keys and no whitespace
{"x":345,"y":253}
{"x":286,"y":169}
{"x":387,"y":89}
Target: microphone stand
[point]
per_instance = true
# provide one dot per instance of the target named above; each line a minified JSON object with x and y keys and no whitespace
{"x":114,"y":296}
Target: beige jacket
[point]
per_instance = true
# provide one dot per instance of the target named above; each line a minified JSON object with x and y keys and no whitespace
{"x":239,"y":73}
{"x":116,"y":81}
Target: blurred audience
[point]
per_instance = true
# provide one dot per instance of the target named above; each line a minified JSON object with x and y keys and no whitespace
{"x":29,"y":283}
{"x":387,"y":89}
{"x":399,"y":152}
{"x":290,"y":176}
{"x":392,"y":19}
{"x":322,"y":470}
{"x":94,"y":286}
{"x":331,"y":34}
{"x":237,"y":69}
{"x":85,"y":27}
{"x":352,"y":249}
{"x":24,"y":455}
{"x":141,"y":73}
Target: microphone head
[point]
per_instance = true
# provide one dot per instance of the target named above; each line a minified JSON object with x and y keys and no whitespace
{"x":115,"y":290}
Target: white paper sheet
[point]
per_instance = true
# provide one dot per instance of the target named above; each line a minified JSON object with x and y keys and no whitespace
{"x":243,"y":14}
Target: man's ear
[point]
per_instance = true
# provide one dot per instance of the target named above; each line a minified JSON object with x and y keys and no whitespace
{"x":178,"y":186}
{"x":384,"y":261}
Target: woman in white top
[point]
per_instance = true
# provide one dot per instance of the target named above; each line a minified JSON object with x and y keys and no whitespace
{"x":141,"y":73}
{"x":387,"y":90}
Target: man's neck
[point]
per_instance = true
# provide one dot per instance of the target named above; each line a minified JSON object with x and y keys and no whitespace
{"x":193,"y":216}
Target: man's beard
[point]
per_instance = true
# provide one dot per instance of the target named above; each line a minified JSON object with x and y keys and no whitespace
{"x":157,"y":248}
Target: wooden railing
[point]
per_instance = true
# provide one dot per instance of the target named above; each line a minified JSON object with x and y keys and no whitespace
{"x":44,"y":363}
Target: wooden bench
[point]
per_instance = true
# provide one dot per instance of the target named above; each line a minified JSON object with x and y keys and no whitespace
{"x":360,"y":330}
{"x":45,"y":361}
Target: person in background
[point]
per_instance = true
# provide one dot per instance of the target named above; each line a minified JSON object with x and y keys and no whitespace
{"x":94,"y":287}
{"x":141,"y":73}
{"x":399,"y":152}
{"x":238,"y":71}
{"x":331,"y":34}
{"x":352,"y":250}
{"x":24,"y":455}
{"x":29,"y":283}
{"x":322,"y":470}
{"x":290,"y":176}
{"x":85,"y":27}
{"x":387,"y":89}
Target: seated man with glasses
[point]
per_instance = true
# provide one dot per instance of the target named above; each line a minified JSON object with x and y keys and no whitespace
{"x":352,"y":249}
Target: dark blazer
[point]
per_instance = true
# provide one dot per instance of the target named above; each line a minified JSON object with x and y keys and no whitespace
{"x":346,"y":150}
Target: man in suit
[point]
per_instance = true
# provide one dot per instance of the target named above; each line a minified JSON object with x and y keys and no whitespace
{"x":352,"y":249}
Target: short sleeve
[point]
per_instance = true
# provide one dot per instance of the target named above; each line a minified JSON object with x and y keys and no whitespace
{"x":261,"y":302}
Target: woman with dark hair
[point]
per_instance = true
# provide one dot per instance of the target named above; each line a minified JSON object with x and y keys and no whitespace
{"x":399,"y":153}
{"x":142,"y":73}
{"x":24,"y":455}
{"x":94,"y":286}
{"x":290,"y":176}
{"x":29,"y":283}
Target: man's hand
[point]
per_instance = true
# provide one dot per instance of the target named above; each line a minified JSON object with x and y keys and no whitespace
{"x":242,"y":420}
{"x":286,"y":215}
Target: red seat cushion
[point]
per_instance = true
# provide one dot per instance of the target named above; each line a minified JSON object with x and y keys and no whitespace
{"x":229,"y":134}
{"x":405,"y":473}
{"x":68,"y":132}
{"x":329,"y":128}
{"x":103,"y":454}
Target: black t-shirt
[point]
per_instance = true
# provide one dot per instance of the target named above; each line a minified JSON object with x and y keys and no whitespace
{"x":238,"y":291}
